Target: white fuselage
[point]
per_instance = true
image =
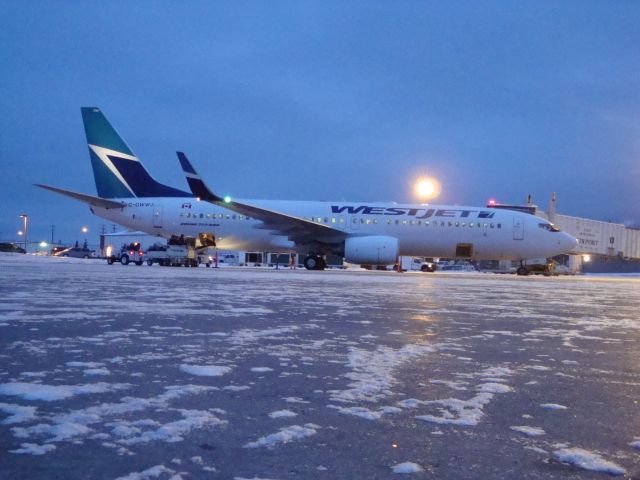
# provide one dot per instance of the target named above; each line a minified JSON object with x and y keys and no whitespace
{"x":421,"y":230}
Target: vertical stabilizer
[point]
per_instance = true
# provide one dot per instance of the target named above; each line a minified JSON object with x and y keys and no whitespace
{"x":117,"y":171}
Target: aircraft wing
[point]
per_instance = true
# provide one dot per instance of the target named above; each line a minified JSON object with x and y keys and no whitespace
{"x":83,"y":197}
{"x":296,"y":229}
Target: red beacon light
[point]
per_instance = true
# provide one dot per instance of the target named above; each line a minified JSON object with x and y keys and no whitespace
{"x":492,"y":201}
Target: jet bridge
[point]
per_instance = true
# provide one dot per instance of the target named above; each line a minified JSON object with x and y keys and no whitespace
{"x":594,"y":236}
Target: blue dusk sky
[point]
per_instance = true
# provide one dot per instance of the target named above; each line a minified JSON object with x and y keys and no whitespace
{"x":326,"y":101}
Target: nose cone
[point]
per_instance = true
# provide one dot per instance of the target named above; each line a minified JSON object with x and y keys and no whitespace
{"x":568,"y":242}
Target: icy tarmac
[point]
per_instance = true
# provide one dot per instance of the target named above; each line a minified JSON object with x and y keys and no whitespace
{"x":150,"y":372}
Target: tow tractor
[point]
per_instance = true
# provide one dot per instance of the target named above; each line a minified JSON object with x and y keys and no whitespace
{"x":131,"y":252}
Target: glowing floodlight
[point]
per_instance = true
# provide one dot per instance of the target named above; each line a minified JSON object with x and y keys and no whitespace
{"x":227,"y":199}
{"x":427,"y":188}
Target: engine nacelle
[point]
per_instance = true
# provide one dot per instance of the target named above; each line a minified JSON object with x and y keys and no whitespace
{"x":372,"y":250}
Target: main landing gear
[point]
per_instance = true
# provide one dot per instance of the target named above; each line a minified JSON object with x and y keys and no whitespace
{"x":522,"y":270}
{"x":314,"y":262}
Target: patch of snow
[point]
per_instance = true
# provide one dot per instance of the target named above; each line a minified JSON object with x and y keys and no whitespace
{"x":410,"y":403}
{"x":407,"y":467}
{"x":494,"y":388}
{"x":34,"y":449}
{"x":283,"y":414}
{"x":84,"y":364}
{"x":59,"y":431}
{"x":205,"y":370}
{"x":97,"y":371}
{"x":50,"y":393}
{"x":553,"y":406}
{"x":236,"y":388}
{"x":175,"y":431}
{"x":295,"y":400}
{"x":153,"y":472}
{"x":372,"y":371}
{"x":285,"y":435}
{"x":529,"y":431}
{"x":361,"y":412}
{"x":588,"y":461}
{"x":18,"y":413}
{"x":459,"y":412}
{"x":455,"y":385}
{"x":261,"y":369}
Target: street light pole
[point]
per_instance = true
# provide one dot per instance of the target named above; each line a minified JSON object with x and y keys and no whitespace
{"x":25,"y":217}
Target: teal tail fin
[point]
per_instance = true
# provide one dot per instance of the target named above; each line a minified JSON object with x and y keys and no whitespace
{"x":117,"y":171}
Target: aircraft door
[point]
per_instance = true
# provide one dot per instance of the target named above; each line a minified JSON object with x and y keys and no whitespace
{"x":518,"y":228}
{"x":157,"y":216}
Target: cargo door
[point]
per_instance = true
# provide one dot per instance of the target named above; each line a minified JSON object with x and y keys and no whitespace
{"x":518,"y":228}
{"x":157,"y":216}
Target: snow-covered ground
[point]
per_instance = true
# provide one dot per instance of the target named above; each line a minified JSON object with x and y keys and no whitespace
{"x":150,"y":372}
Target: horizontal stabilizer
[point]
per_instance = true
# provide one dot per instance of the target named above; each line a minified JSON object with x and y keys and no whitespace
{"x":83,"y":197}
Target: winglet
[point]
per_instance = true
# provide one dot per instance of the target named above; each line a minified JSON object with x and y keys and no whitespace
{"x":197,"y":186}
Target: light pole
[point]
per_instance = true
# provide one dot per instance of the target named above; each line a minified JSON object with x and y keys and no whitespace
{"x":25,"y":217}
{"x":85,"y":230}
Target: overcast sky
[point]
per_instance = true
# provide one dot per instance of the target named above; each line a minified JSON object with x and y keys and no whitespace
{"x":326,"y":101}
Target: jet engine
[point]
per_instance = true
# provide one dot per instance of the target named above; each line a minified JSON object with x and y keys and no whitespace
{"x":373,"y":250}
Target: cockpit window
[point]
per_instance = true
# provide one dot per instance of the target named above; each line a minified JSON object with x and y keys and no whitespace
{"x":548,"y":226}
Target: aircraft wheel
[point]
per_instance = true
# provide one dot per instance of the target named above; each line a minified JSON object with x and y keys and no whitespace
{"x":522,"y":271}
{"x":311,"y":262}
{"x":124,"y":259}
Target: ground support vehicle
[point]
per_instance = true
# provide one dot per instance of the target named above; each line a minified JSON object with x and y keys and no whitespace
{"x":408,"y":264}
{"x":172,"y":256}
{"x":128,"y":253}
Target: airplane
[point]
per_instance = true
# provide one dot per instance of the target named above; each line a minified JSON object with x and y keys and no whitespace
{"x":375,"y":233}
